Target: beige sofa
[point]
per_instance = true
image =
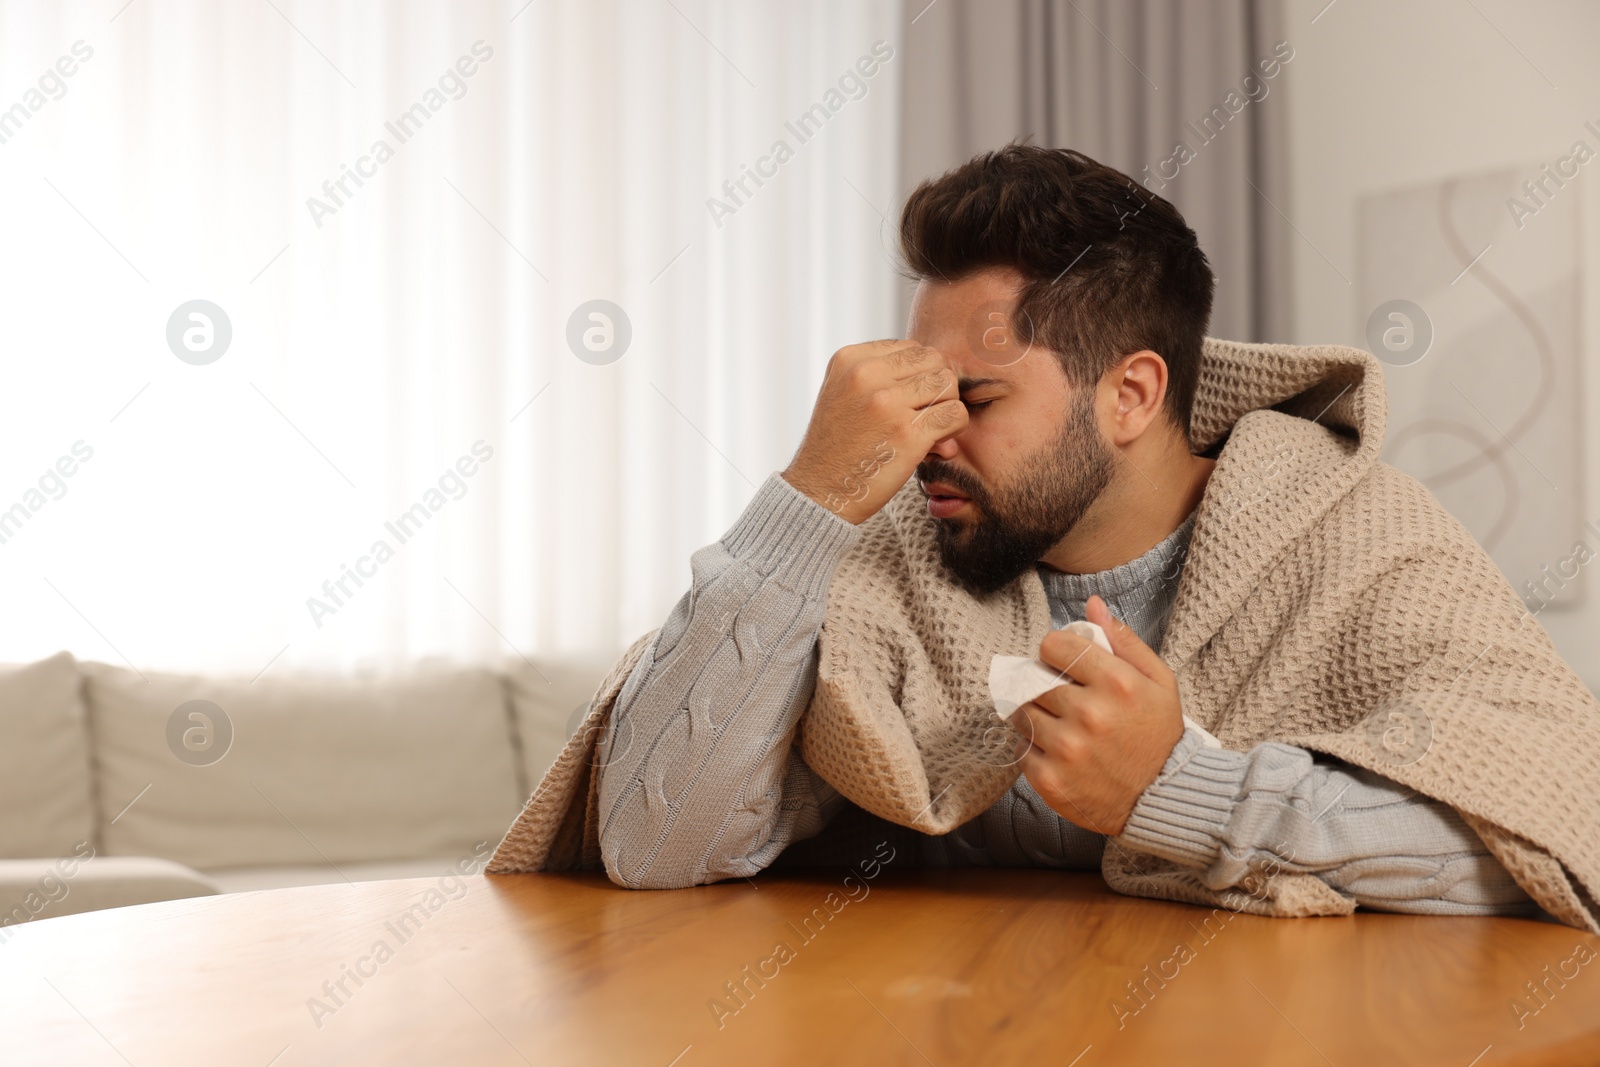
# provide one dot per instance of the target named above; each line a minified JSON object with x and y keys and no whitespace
{"x":120,"y":787}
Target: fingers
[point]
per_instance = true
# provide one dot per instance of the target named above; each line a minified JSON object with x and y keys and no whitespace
{"x":1125,"y":643}
{"x":1049,"y":765}
{"x":1068,"y":703}
{"x":1082,"y":661}
{"x":885,"y":344}
{"x":1078,"y":657}
{"x":888,"y":360}
{"x":930,"y":385}
{"x":1036,"y":724}
{"x":910,"y":359}
{"x":941,"y":420}
{"x":934,"y":396}
{"x":932,"y":393}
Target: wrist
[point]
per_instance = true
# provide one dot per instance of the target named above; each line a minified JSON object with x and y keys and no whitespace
{"x":789,"y":537}
{"x":835,"y":501}
{"x":1183,"y":814}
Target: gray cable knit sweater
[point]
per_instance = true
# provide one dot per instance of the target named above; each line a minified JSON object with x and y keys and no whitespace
{"x":759,"y":594}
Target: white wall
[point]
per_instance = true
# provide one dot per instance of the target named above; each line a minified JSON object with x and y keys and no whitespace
{"x":1383,"y":96}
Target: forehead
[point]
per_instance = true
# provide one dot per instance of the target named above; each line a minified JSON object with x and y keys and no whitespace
{"x":971,"y":322}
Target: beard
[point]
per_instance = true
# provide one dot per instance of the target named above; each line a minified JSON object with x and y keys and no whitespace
{"x":1018,"y":523}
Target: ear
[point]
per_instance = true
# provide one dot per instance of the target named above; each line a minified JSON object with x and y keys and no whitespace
{"x":1138,"y":382}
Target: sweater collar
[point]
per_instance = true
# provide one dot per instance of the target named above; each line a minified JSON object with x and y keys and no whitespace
{"x":1160,"y":564}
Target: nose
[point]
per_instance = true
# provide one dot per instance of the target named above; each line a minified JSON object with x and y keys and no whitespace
{"x":944,"y":450}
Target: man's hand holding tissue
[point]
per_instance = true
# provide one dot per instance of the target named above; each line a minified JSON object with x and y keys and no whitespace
{"x":1095,"y":746}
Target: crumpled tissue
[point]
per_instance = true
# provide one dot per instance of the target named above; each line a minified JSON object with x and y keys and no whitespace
{"x":1015,"y":680}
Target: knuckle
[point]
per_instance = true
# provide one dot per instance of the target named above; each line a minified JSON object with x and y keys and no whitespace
{"x":1022,"y":725}
{"x":908,"y":355}
{"x":1068,"y":749}
{"x":1093,"y":720}
{"x":1046,"y":782}
{"x":855,"y":375}
{"x":947,"y":414}
{"x":1022,"y":722}
{"x":1058,"y":648}
{"x":879,"y":404}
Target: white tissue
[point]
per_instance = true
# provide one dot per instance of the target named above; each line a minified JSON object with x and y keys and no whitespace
{"x":1015,"y":680}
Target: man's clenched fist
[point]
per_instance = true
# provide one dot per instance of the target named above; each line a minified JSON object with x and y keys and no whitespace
{"x":882,"y":406}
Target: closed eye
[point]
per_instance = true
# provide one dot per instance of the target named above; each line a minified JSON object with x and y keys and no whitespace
{"x":979,"y":405}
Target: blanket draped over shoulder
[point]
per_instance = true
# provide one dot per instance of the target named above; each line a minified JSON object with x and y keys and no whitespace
{"x":1327,"y":601}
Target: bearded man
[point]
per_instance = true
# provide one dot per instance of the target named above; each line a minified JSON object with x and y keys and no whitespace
{"x":1056,"y":439}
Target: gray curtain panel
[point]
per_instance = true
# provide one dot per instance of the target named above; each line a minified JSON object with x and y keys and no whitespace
{"x":1184,"y":97}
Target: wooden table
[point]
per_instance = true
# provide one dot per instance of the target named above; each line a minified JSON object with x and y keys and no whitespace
{"x":910,"y":967}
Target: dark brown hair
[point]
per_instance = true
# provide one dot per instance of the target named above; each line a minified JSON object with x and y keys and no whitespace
{"x":1111,"y":267}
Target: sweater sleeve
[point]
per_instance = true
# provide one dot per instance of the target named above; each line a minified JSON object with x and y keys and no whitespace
{"x":700,"y":779}
{"x":1231,"y":813}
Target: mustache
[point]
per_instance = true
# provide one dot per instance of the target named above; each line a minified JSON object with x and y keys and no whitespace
{"x":938,"y":471}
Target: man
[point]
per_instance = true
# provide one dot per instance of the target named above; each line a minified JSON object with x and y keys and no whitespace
{"x":1044,"y":404}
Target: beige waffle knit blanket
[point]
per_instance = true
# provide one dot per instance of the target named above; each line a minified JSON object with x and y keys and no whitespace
{"x":1328,"y":601}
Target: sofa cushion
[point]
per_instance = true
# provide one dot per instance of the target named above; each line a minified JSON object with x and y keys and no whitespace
{"x":548,"y":701}
{"x":300,"y":770}
{"x":45,"y":797}
{"x":78,"y":882}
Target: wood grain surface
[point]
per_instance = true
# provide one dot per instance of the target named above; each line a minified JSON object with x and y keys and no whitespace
{"x":903,"y":967}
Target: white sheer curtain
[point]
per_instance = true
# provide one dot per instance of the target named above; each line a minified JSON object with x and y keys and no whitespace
{"x":381,"y":335}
